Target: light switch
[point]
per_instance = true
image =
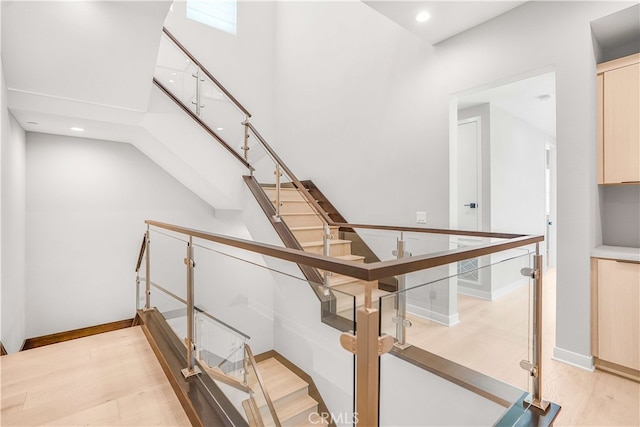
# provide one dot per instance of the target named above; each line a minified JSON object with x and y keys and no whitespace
{"x":421,"y":217}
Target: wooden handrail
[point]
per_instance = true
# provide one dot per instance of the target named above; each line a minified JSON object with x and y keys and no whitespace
{"x":299,"y":186}
{"x":254,"y":365}
{"x":209,"y":75}
{"x":367,"y":272}
{"x":143,"y":248}
{"x":488,"y":234}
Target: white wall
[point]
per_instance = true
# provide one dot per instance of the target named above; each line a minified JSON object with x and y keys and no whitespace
{"x":362,"y":97}
{"x":517,"y":175}
{"x":12,"y":226}
{"x":86,"y":205}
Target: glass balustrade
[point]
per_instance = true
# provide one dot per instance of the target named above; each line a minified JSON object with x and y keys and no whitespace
{"x":478,"y":319}
{"x":240,"y":294}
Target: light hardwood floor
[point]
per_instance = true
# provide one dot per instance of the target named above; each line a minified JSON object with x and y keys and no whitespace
{"x":491,"y":338}
{"x":109,"y":379}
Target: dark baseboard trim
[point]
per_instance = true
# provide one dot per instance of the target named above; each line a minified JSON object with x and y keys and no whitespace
{"x":203,"y":401}
{"x":313,"y":390}
{"x":41,"y":341}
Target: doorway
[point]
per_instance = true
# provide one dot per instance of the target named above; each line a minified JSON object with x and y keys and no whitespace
{"x":514,"y":153}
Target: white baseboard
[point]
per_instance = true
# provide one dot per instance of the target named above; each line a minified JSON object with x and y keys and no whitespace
{"x":476,"y":293}
{"x":493,"y":294}
{"x":574,"y":359}
{"x":443,"y":319}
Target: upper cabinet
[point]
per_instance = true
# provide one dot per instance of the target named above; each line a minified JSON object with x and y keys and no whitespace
{"x":619,"y":121}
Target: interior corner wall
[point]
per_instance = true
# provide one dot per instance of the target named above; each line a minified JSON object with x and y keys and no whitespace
{"x":12,"y":227}
{"x":363,"y":110}
{"x":86,"y":203}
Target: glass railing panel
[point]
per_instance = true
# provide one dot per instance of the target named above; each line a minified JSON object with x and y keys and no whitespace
{"x":219,"y":113}
{"x":260,"y":394}
{"x":372,"y":245}
{"x":483,"y":325}
{"x":176,"y":72}
{"x":221,"y":353}
{"x":168,"y":278}
{"x":173,"y":309}
{"x":271,"y":301}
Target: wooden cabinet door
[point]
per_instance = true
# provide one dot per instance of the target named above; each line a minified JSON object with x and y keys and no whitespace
{"x":621,"y":124}
{"x":619,"y":312}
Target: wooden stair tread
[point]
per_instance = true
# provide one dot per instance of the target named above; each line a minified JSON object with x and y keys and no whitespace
{"x":320,"y":243}
{"x":291,"y":409}
{"x":356,"y":289}
{"x":350,"y":257}
{"x":340,"y":279}
{"x":312,"y":227}
{"x":279,"y":380}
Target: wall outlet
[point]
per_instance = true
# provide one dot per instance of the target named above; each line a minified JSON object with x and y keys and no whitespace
{"x":421,"y":217}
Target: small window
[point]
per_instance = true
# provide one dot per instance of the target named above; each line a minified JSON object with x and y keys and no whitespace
{"x":220,"y":14}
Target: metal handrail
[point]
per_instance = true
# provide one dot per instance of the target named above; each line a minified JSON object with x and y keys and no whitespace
{"x":367,"y":272}
{"x":254,"y":365}
{"x":209,"y":75}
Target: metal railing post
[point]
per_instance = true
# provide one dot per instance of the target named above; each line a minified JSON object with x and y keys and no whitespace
{"x":535,"y":398}
{"x":278,"y":174}
{"x":245,"y":147}
{"x":326,"y":251}
{"x":197,"y":100}
{"x":191,"y":368}
{"x":147,"y":264}
{"x":401,"y":320}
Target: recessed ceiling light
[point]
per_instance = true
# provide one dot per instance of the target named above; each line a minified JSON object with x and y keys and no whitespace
{"x":423,"y":16}
{"x":219,"y":128}
{"x":76,"y":129}
{"x":170,"y":81}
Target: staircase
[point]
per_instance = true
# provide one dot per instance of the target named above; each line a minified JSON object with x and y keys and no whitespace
{"x":308,"y":229}
{"x":289,"y":394}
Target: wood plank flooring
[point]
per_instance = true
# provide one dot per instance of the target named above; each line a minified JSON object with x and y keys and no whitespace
{"x":107,"y":379}
{"x":491,"y":338}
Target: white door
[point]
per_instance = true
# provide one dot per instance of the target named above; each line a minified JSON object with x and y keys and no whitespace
{"x":469,"y":175}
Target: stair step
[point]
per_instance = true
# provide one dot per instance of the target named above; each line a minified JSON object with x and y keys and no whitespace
{"x":356,"y":289}
{"x":312,"y":233}
{"x":297,"y":411}
{"x":340,"y":279}
{"x":285,"y":193}
{"x":288,"y":392}
{"x":294,"y":206}
{"x":282,"y":384}
{"x":354,"y":258}
{"x":337,"y":247}
{"x":301,"y":219}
